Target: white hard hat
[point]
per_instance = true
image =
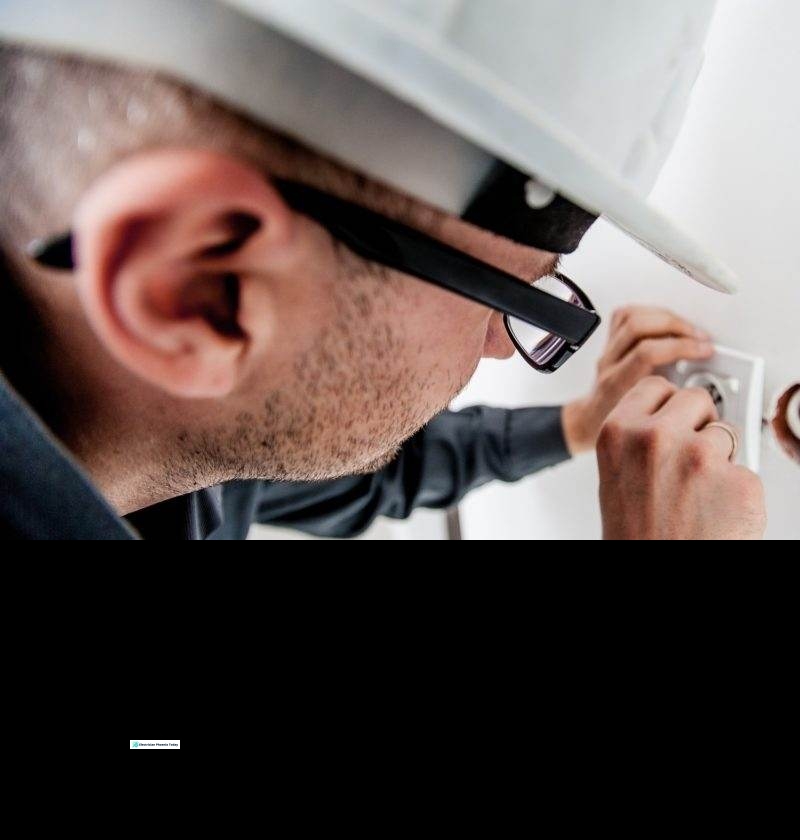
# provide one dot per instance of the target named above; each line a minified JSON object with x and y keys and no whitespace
{"x":581,"y":100}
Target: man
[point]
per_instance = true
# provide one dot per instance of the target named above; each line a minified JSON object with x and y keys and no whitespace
{"x":224,"y":314}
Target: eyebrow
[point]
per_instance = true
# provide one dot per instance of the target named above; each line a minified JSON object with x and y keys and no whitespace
{"x":549,"y":268}
{"x":555,"y":265}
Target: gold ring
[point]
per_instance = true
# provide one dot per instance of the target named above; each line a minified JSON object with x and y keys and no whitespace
{"x":731,"y":434}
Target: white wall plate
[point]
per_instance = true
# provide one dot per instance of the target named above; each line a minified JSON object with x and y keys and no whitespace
{"x":736,"y":382}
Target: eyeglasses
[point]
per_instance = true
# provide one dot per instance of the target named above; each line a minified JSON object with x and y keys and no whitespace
{"x":548,"y":322}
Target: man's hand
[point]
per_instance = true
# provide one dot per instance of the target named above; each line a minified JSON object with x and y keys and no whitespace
{"x":663,"y":475}
{"x":641,"y":339}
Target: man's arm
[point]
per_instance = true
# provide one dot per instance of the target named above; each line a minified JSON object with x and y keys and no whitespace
{"x":455,"y":453}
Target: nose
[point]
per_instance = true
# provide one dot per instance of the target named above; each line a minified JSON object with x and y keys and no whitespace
{"x":497,"y":345}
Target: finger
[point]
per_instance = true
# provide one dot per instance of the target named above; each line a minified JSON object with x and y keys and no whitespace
{"x":724,"y":443}
{"x":651,"y":353}
{"x":643,"y":323}
{"x":645,"y":398}
{"x":624,"y":313}
{"x":646,"y":357}
{"x":689,"y":408}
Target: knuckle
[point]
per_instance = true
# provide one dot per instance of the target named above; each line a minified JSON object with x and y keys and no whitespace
{"x":698,"y":456}
{"x":660,"y":381}
{"x":621,"y":314}
{"x":612,"y":436}
{"x":621,"y":339}
{"x":654,"y":383}
{"x":605,"y":382}
{"x":702,"y":396}
{"x":650,"y":440}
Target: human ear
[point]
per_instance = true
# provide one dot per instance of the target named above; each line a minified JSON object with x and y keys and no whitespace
{"x":164,"y":242}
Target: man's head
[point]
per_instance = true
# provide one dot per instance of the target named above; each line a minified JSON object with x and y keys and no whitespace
{"x":210,"y":330}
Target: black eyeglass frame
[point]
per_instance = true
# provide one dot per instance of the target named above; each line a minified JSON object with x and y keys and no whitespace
{"x":565,"y":352}
{"x":398,"y":246}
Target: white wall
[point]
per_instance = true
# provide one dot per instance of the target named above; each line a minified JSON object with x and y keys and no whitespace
{"x":734,"y":179}
{"x":421,"y":525}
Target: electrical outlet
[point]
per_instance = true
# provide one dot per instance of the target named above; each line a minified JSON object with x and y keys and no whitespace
{"x":735,"y":382}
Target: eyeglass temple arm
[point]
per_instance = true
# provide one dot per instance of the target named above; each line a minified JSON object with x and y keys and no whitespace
{"x":406,"y":249}
{"x":55,"y":252}
{"x":398,"y":246}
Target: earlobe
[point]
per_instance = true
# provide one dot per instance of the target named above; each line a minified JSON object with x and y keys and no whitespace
{"x":164,"y":242}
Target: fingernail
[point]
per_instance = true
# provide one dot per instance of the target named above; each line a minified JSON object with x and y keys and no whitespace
{"x":705,"y":347}
{"x":702,"y":335}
